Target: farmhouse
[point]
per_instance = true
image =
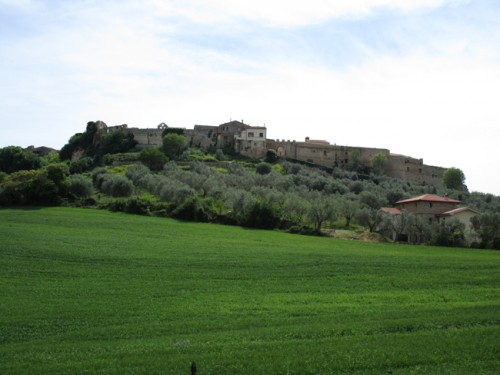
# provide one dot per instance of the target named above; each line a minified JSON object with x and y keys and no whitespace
{"x":434,"y":209}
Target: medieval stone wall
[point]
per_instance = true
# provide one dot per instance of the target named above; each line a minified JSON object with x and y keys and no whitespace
{"x":252,"y":142}
{"x":414,"y":170}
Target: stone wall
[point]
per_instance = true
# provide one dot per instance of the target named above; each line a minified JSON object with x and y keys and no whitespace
{"x":322,"y":153}
{"x":414,"y":170}
{"x":252,"y":142}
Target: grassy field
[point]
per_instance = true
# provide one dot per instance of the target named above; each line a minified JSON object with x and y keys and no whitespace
{"x":86,"y":291}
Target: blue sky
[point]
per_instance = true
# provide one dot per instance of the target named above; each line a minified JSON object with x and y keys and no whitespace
{"x":419,"y":77}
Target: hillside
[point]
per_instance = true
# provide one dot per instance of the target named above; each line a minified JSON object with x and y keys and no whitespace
{"x":97,"y":292}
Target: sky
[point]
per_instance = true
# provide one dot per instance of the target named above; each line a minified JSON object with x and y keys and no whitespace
{"x":417,"y":77}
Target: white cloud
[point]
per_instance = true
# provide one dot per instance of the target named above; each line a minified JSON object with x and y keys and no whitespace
{"x":284,"y":12}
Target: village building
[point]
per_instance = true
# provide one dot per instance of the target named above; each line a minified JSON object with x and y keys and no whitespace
{"x":435,"y":209}
{"x":251,"y":141}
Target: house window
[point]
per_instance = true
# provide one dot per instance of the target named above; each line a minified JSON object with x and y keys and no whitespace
{"x":419,"y":170}
{"x":430,"y":204}
{"x":261,"y":135}
{"x":407,"y":169}
{"x":324,"y":152}
{"x":250,"y":134}
{"x":430,"y":220}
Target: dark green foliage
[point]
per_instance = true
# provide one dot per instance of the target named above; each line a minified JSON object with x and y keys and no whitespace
{"x":31,"y":187}
{"x":356,"y":187}
{"x":355,"y":164}
{"x":394,"y":196}
{"x":271,"y":156}
{"x":262,"y":215}
{"x":487,"y":226}
{"x":116,"y":186}
{"x":178,"y":131}
{"x":98,"y":174}
{"x":58,"y":173}
{"x":80,"y":186}
{"x":14,"y":158}
{"x":448,"y":233}
{"x":153,"y":158}
{"x":454,"y":178}
{"x":116,"y":142}
{"x":263,"y":168}
{"x":81,"y":142}
{"x":81,"y":165}
{"x":173,"y":145}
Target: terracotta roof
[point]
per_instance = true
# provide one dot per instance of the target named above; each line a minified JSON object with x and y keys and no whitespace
{"x":390,"y":210}
{"x":429,"y":198}
{"x":457,"y":210}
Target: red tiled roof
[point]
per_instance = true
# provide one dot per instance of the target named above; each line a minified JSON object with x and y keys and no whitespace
{"x":429,"y":198}
{"x":392,"y":211}
{"x":457,"y":210}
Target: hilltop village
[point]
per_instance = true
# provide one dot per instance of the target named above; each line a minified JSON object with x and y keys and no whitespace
{"x":252,"y":141}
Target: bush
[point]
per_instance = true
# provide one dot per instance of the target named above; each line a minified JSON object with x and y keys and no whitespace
{"x":29,"y":187}
{"x":153,"y":158}
{"x":271,"y":156}
{"x":117,"y":186}
{"x":80,"y":186}
{"x":263,"y":168}
{"x":81,"y":165}
{"x":14,"y":158}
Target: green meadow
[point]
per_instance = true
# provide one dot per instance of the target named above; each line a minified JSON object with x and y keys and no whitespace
{"x":88,"y":291}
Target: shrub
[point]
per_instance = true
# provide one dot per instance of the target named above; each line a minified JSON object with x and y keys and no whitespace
{"x":117,"y":186}
{"x":263,"y":168}
{"x":80,"y":186}
{"x":271,"y":156}
{"x":153,"y":158}
{"x":29,"y":187}
{"x":14,"y":158}
{"x":137,"y":172}
{"x":81,"y":165}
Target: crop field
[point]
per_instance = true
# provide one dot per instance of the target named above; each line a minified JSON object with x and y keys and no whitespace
{"x":88,"y":291}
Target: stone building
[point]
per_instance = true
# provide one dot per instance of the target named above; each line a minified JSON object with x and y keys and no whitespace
{"x":435,"y":209}
{"x":252,"y":141}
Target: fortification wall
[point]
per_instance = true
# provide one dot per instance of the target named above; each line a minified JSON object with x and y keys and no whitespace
{"x":414,"y":170}
{"x":146,"y":137}
{"x":202,"y":136}
{"x":323,"y":154}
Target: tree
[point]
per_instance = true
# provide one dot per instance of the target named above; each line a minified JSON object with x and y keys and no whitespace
{"x":116,"y":142}
{"x":448,"y":233}
{"x":488,"y":227}
{"x":29,"y":187}
{"x":347,"y":209}
{"x":173,"y":145}
{"x":454,"y":178}
{"x":80,"y":186}
{"x":379,"y":163}
{"x":263,"y":168}
{"x":355,"y":163}
{"x":320,"y":210}
{"x":153,"y":158}
{"x":271,"y":156}
{"x":15,"y":158}
{"x":369,"y":218}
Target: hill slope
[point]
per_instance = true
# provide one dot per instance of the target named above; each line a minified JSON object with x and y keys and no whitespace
{"x":93,"y":291}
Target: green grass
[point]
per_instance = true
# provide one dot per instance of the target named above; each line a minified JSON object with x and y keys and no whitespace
{"x":86,"y":291}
